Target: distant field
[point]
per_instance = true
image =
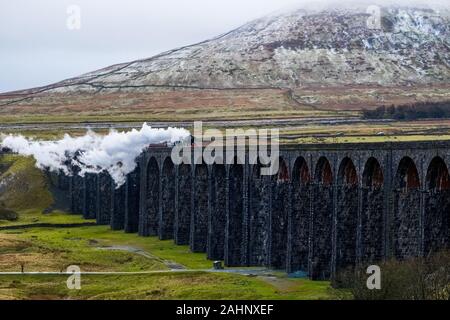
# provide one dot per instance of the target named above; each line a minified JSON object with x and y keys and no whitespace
{"x":301,"y":131}
{"x":165,"y":104}
{"x":303,"y":115}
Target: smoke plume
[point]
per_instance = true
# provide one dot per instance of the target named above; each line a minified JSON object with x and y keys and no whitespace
{"x":115,"y":152}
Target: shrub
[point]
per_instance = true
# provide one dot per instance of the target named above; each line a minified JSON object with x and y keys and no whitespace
{"x":412,"y":279}
{"x":419,"y":110}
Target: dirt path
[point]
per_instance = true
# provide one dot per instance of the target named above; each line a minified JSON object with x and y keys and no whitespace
{"x":170,"y":264}
{"x":262,"y":273}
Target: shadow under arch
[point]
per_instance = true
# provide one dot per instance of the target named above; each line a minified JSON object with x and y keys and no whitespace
{"x":182,"y":224}
{"x":301,"y":217}
{"x":321,"y":256}
{"x":347,"y":214}
{"x":118,"y":208}
{"x":132,"y":200}
{"x":437,"y":207}
{"x":77,"y":192}
{"x":217,"y":219}
{"x":199,"y":217}
{"x":235,"y":216}
{"x":259,"y":217}
{"x":372,"y":212}
{"x":105,"y":190}
{"x":279,"y":217}
{"x":90,"y":198}
{"x":151,"y":215}
{"x":407,"y":233}
{"x":167,"y":216}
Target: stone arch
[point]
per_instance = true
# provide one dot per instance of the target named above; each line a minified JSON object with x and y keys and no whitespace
{"x":437,"y":207}
{"x":199,"y":222}
{"x":407,"y":176}
{"x":373,"y":176}
{"x":324,"y":173}
{"x":322,"y":221}
{"x":167,"y":217}
{"x":151,"y":214}
{"x":437,"y":175}
{"x":347,"y":214}
{"x":183,"y":212}
{"x":300,"y":173}
{"x":347,"y":174}
{"x":259,"y":217}
{"x":283,"y":171}
{"x":235,"y":216}
{"x":300,"y":218}
{"x":372,"y":212}
{"x":279,"y":217}
{"x":407,"y":233}
{"x":217,"y":219}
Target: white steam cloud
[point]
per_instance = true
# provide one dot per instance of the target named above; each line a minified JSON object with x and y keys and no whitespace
{"x":93,"y":153}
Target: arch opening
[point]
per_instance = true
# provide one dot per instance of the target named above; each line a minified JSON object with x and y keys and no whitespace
{"x":438,"y":178}
{"x":300,"y":221}
{"x":150,"y":223}
{"x":105,"y":190}
{"x":118,"y":213}
{"x":199,"y":222}
{"x":279,"y":219}
{"x":77,"y":193}
{"x":217,"y":219}
{"x":183,"y":211}
{"x":407,"y":233}
{"x":259,"y":215}
{"x":373,"y":174}
{"x":324,"y":174}
{"x":347,"y":215}
{"x":132,"y":200}
{"x":437,"y":207}
{"x":283,"y":172}
{"x":90,"y":197}
{"x":372,"y":212}
{"x":234,"y":226}
{"x":322,"y":221}
{"x":300,"y":173}
{"x":347,"y":173}
{"x":407,"y":177}
{"x":167,"y":217}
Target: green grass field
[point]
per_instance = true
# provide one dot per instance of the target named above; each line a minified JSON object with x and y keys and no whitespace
{"x":54,"y":249}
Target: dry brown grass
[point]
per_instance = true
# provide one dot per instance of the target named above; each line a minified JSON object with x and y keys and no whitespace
{"x":194,"y":104}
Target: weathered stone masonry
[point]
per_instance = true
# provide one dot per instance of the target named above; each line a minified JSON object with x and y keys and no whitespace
{"x":329,"y":206}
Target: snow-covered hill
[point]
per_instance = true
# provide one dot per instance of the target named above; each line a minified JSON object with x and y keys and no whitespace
{"x":299,"y":48}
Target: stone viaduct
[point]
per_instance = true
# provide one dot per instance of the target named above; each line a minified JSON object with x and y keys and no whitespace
{"x":329,"y":207}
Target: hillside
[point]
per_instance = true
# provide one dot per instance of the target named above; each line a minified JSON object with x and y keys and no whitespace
{"x":297,"y":60}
